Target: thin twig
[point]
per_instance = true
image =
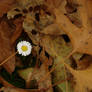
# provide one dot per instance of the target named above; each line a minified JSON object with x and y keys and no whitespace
{"x":6,"y":60}
{"x":66,"y":80}
{"x":55,"y":84}
{"x":44,"y":77}
{"x":28,"y":82}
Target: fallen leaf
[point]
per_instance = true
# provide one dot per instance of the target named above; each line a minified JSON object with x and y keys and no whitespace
{"x":6,"y":47}
{"x":5,"y":6}
{"x":55,"y":46}
{"x":39,"y":74}
{"x":81,"y":38}
{"x":14,"y":89}
{"x":83,"y":78}
{"x":55,"y":3}
{"x":60,"y":74}
{"x":89,"y":6}
{"x":84,"y":63}
{"x":52,"y":30}
{"x":18,"y":31}
{"x":25,"y":73}
{"x":58,"y":49}
{"x":74,"y":18}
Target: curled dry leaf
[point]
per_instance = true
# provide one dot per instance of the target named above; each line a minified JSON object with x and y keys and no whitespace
{"x":55,"y":46}
{"x":80,"y":38}
{"x":5,"y":6}
{"x":58,"y":49}
{"x":82,"y":61}
{"x":39,"y":74}
{"x":83,"y":78}
{"x":6,"y":47}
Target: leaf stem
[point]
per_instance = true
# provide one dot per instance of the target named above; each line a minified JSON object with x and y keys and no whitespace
{"x":7,"y":59}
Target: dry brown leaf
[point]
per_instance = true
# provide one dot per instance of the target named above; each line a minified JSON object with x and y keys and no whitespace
{"x":14,"y":89}
{"x":10,"y":88}
{"x":74,"y":17}
{"x":5,"y":6}
{"x":18,"y":22}
{"x":54,"y":2}
{"x":89,"y":11}
{"x":82,"y":11}
{"x":84,"y":63}
{"x":39,"y":74}
{"x":52,"y":30}
{"x":80,"y":38}
{"x":6,"y":47}
{"x":55,"y":46}
{"x":36,"y":74}
{"x":83,"y":78}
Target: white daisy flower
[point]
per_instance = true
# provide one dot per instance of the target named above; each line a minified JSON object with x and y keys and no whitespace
{"x":24,"y":48}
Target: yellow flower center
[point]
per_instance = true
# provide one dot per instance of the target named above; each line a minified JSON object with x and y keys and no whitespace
{"x":24,"y":48}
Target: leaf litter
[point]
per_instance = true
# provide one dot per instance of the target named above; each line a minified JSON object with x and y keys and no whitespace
{"x":60,"y":33}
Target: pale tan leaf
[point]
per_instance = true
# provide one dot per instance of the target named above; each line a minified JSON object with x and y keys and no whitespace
{"x":83,"y":78}
{"x":52,"y":30}
{"x":81,"y":39}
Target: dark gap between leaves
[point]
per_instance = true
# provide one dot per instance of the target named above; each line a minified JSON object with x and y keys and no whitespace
{"x":17,"y":16}
{"x":1,"y":85}
{"x":17,"y":10}
{"x":13,"y":79}
{"x":46,"y":54}
{"x":25,"y":11}
{"x":84,"y":55}
{"x":34,"y":84}
{"x":37,"y":17}
{"x":66,"y":38}
{"x":37,"y":8}
{"x":24,"y":37}
{"x":34,"y":32}
{"x":74,"y":65}
{"x":30,"y":9}
{"x":40,"y":50}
